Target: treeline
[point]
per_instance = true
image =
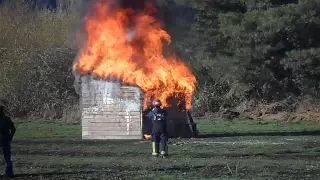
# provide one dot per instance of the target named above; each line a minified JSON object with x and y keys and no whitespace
{"x":260,"y":51}
{"x":240,"y":50}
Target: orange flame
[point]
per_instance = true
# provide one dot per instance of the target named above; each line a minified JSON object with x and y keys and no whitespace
{"x":128,"y":45}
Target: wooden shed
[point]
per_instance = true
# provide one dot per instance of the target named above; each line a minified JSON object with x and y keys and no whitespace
{"x":113,"y":111}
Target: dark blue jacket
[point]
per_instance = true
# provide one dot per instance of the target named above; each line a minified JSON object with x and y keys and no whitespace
{"x":7,"y":128}
{"x":158,"y":126}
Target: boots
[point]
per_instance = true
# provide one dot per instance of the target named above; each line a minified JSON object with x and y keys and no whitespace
{"x":9,"y":173}
{"x":155,"y":149}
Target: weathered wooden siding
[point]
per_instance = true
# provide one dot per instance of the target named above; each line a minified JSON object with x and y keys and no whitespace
{"x":110,"y":111}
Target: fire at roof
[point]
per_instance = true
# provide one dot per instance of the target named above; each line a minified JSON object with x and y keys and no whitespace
{"x":125,"y":41}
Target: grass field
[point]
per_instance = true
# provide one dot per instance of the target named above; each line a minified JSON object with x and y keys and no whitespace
{"x":240,"y":149}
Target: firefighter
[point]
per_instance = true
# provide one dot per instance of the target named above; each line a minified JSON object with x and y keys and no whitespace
{"x":7,"y":131}
{"x":159,"y":129}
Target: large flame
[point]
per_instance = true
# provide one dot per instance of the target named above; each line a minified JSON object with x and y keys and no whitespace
{"x":128,"y":45}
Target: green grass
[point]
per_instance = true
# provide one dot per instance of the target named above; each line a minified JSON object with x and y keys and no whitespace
{"x":56,"y":129}
{"x":251,"y":126}
{"x":54,"y":150}
{"x":46,"y":129}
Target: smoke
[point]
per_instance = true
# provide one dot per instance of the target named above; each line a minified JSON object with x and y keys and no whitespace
{"x":130,"y":35}
{"x":79,"y":38}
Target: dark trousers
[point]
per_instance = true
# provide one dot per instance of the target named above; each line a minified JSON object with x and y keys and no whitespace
{"x":6,"y":150}
{"x":159,"y":142}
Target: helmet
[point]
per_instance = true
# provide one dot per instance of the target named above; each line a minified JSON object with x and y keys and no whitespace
{"x":156,"y":103}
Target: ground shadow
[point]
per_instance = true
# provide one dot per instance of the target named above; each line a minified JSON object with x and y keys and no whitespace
{"x":300,"y":133}
{"x":54,"y":173}
{"x":180,"y":169}
{"x":114,"y":170}
{"x":281,"y":154}
{"x":276,"y":155}
{"x":77,"y":153}
{"x":77,"y":141}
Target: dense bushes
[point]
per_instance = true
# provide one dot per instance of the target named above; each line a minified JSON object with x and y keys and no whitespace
{"x":36,"y":60}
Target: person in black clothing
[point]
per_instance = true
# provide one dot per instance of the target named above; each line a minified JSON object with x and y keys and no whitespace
{"x":159,"y":129}
{"x":7,"y":131}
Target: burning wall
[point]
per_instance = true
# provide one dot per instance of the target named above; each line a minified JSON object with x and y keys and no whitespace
{"x":180,"y":122}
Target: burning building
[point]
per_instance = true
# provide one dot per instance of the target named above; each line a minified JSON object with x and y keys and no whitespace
{"x":122,"y":67}
{"x":114,"y":111}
